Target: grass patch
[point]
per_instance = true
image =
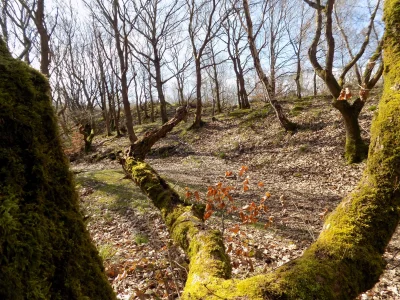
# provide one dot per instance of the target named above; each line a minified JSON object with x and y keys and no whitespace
{"x":111,"y":191}
{"x":220,"y":154}
{"x":107,"y":251}
{"x":299,"y":106}
{"x":303,"y":148}
{"x":254,"y":116}
{"x":141,"y":239}
{"x":238,"y":113}
{"x":146,"y":127}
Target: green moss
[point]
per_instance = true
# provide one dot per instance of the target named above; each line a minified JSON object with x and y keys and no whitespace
{"x":141,"y":239}
{"x":347,"y":257}
{"x":355,"y":150}
{"x":237,"y":113}
{"x":107,"y":251}
{"x":46,"y":252}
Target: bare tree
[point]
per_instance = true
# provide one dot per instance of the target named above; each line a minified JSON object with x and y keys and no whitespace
{"x":113,"y":13}
{"x":37,"y":12}
{"x":203,"y":27}
{"x":101,"y":80}
{"x":269,"y":91}
{"x":180,"y":62}
{"x":236,"y":42}
{"x":213,"y":73}
{"x":355,"y":148}
{"x":3,"y":20}
{"x":112,"y":85}
{"x":158,"y":26}
{"x":21,"y":27}
{"x":297,"y":29}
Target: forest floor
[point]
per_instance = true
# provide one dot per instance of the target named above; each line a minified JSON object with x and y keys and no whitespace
{"x":304,"y":176}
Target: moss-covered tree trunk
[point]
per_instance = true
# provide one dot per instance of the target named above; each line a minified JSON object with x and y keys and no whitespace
{"x":45,"y":250}
{"x":355,"y":149}
{"x":346,"y":259}
{"x":88,"y":134}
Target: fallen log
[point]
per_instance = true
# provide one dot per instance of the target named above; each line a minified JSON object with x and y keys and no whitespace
{"x":346,"y":259}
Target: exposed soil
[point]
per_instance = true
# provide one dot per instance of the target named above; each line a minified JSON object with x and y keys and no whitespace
{"x":304,"y":173}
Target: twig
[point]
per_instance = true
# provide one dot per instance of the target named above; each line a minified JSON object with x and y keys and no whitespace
{"x":307,"y":227}
{"x":173,"y":275}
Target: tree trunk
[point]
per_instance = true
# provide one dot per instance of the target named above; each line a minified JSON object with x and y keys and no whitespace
{"x":242,"y":85}
{"x":346,"y":259}
{"x":197,"y":121}
{"x":88,"y":135}
{"x":180,"y":93}
{"x":139,"y":117}
{"x":239,"y":98}
{"x":111,"y":95}
{"x":217,"y":91}
{"x":151,"y":100}
{"x":159,"y":86}
{"x":103,"y":97}
{"x":243,"y":93}
{"x":297,"y":79}
{"x":355,"y":150}
{"x":127,"y":109}
{"x":44,"y":38}
{"x":122,"y":56}
{"x":46,"y":251}
{"x":315,"y":84}
{"x":118,"y":114}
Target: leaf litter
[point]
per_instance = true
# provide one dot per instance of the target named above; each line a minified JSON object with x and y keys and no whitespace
{"x":304,"y":176}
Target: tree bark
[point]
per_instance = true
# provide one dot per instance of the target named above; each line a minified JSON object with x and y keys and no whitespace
{"x":46,"y":251}
{"x":197,"y":121}
{"x":315,"y":92}
{"x":242,"y":85}
{"x":346,"y":259}
{"x":355,"y":149}
{"x":298,"y":75}
{"x":122,"y":55}
{"x":137,"y":96}
{"x":44,"y":38}
{"x":159,"y":85}
{"x":88,"y":134}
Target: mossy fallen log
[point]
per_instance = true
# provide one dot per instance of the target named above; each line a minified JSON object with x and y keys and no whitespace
{"x":347,"y":258}
{"x":45,"y":250}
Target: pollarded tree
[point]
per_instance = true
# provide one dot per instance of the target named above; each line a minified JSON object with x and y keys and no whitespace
{"x":346,"y":259}
{"x":355,"y":149}
{"x":46,"y":252}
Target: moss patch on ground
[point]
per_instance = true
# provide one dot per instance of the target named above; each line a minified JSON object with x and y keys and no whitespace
{"x":112,"y":191}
